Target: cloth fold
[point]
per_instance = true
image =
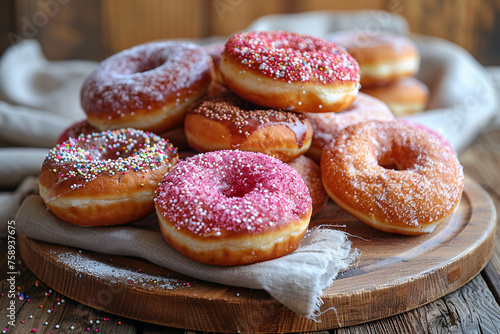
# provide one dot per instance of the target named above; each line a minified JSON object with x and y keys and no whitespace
{"x":306,"y":272}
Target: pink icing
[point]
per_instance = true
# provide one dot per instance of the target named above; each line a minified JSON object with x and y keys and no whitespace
{"x":236,"y":191}
{"x":293,"y":57}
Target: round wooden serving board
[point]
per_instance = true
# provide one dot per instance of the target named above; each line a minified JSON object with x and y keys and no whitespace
{"x":395,"y":274}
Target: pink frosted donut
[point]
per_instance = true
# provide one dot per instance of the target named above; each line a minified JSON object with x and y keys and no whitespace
{"x":233,"y":207}
{"x":326,"y":126}
{"x":147,"y":87}
{"x":393,"y":176}
{"x":289,"y":71}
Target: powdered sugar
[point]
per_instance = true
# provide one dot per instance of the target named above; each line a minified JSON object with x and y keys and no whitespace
{"x":113,"y":273}
{"x":144,"y":77}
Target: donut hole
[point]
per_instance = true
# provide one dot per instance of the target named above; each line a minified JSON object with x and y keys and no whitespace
{"x":389,"y":165}
{"x":237,"y":185}
{"x":112,"y":149}
{"x":150,"y":64}
{"x":388,"y":161}
{"x":230,"y":192}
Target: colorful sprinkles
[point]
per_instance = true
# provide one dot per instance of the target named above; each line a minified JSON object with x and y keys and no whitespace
{"x":292,"y":57}
{"x":243,"y":192}
{"x":109,"y":153}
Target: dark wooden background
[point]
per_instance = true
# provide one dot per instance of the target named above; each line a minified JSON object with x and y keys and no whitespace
{"x":94,"y":29}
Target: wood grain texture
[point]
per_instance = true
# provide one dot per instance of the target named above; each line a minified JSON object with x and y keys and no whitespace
{"x":482,"y":159}
{"x":94,"y":29}
{"x":65,"y":29}
{"x":388,"y":280}
{"x":477,"y":314}
{"x":128,"y":22}
{"x":7,"y":24}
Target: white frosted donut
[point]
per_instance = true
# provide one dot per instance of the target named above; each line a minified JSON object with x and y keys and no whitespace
{"x":147,"y":87}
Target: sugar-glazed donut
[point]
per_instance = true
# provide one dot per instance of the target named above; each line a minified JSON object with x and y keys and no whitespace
{"x":393,"y":176}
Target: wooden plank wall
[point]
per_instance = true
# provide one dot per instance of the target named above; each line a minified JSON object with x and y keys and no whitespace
{"x":94,"y":29}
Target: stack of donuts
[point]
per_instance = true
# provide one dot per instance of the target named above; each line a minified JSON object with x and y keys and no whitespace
{"x":388,"y":63}
{"x":271,"y":124}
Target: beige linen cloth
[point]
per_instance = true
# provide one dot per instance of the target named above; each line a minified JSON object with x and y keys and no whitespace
{"x":41,"y":98}
{"x":296,"y":280}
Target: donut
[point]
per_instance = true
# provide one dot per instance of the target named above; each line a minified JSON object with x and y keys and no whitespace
{"x":233,"y":207}
{"x":147,"y":87}
{"x":75,"y":130}
{"x":289,"y":71}
{"x":393,"y":176}
{"x":105,"y":178}
{"x":226,"y":121}
{"x":382,"y":57}
{"x":215,"y":52}
{"x":311,"y":174}
{"x":326,"y":126}
{"x":176,"y":137}
{"x":217,"y":88}
{"x":404,"y":97}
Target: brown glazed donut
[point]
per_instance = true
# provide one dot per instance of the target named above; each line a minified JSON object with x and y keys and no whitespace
{"x":227,"y":122}
{"x":148,"y":87}
{"x":289,"y":71}
{"x":326,"y":126}
{"x":382,"y":57}
{"x":393,"y":176}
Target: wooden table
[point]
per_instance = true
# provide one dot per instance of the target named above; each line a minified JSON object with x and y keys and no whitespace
{"x":474,"y":308}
